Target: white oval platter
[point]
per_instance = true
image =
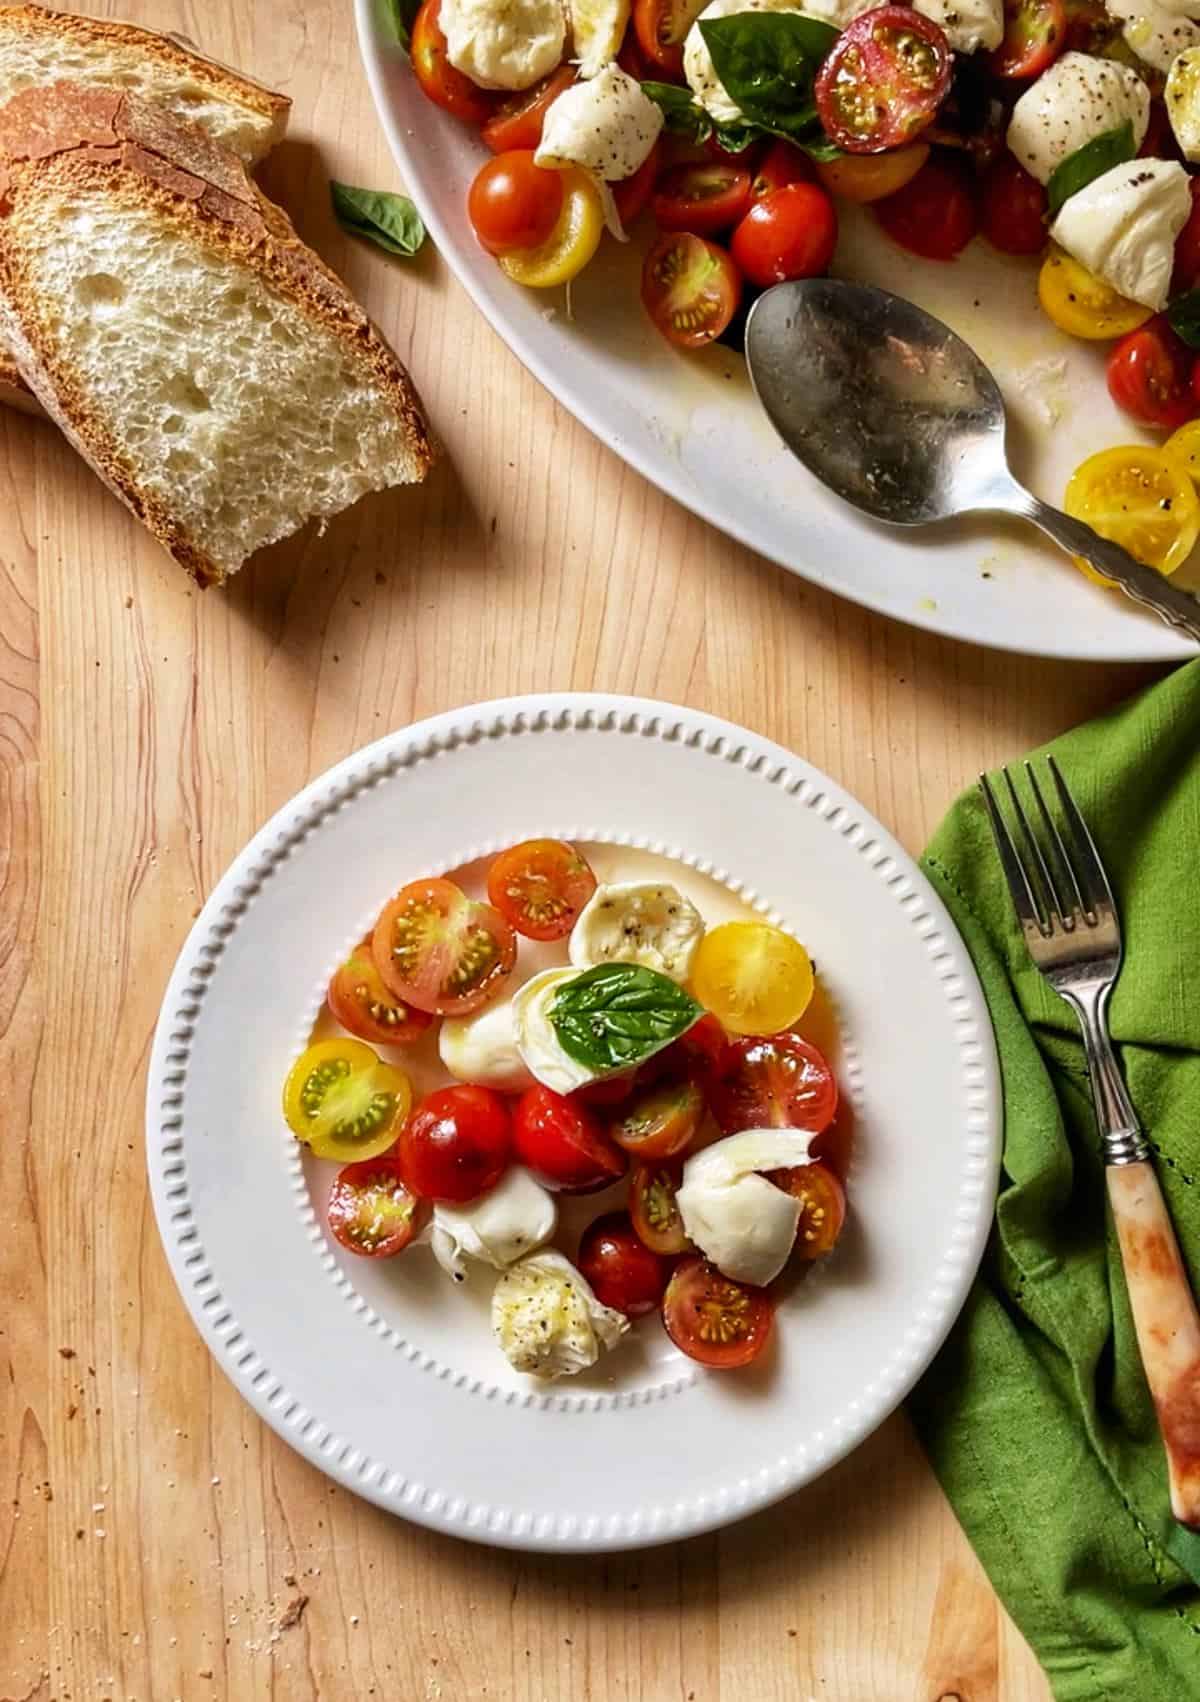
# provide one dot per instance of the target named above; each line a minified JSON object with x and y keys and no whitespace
{"x":693,"y":427}
{"x":383,"y":1374}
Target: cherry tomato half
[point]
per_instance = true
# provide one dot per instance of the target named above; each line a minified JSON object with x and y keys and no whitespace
{"x":359,"y":1000}
{"x":883,"y":80}
{"x":1012,"y":208}
{"x":869,"y":177}
{"x":1083,"y":305}
{"x":822,"y":1207}
{"x":653,"y":1209}
{"x":622,"y":1270}
{"x":517,"y":122}
{"x":570,"y":245}
{"x":632,"y":195}
{"x":1035,"y":32}
{"x":456,"y":1144}
{"x":540,"y":886}
{"x":370,"y":1210}
{"x":1186,"y":273}
{"x":444,"y":85}
{"x":1141,"y":498}
{"x":780,"y":1082}
{"x":661,"y":1122}
{"x":705,"y":198}
{"x":513,"y":203}
{"x":934,"y":214}
{"x":754,"y":978}
{"x":563,"y":1144}
{"x":718,"y":1322}
{"x":1149,"y":374}
{"x":690,"y":289}
{"x":343,"y":1102}
{"x":790,"y":233}
{"x":660,"y":27}
{"x":440,"y":950}
{"x":780,"y":165}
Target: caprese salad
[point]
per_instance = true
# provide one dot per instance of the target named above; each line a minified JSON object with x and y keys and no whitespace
{"x":592,"y":1036}
{"x":1061,"y":129}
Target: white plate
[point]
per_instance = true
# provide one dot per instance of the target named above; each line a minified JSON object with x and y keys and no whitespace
{"x":692,"y":426}
{"x":385,"y":1378}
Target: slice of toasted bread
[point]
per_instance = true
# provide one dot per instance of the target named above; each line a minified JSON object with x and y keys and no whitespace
{"x":39,"y":47}
{"x":210,"y":367}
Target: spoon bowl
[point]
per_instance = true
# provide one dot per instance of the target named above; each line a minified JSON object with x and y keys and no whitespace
{"x":899,"y":417}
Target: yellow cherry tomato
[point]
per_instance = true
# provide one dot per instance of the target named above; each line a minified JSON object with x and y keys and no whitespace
{"x":755,"y":979}
{"x":1138,"y":497}
{"x":572,"y":242}
{"x":1184,"y":445}
{"x":1083,"y":305}
{"x":869,"y":177}
{"x":344,"y":1102}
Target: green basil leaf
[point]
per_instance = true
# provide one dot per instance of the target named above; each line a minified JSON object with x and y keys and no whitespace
{"x":767,"y":62}
{"x":1184,"y":317}
{"x":819,"y":147}
{"x":1082,"y":167}
{"x":736,"y":138}
{"x":390,"y":221}
{"x":617,"y":1014}
{"x":680,"y":113}
{"x":401,"y":15}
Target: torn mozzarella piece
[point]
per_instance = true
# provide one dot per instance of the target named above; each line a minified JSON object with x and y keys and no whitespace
{"x":548,"y":1321}
{"x":967,"y":25}
{"x":739,"y":1220}
{"x":607,"y":127}
{"x":1156,"y":35}
{"x":698,"y":69}
{"x":646,"y":922}
{"x":504,"y":44}
{"x":1072,"y":103}
{"x":1182,"y":98}
{"x":597,"y":31}
{"x":483,"y":1049}
{"x":1123,"y":226}
{"x":496,"y":1229}
{"x":537,"y":1042}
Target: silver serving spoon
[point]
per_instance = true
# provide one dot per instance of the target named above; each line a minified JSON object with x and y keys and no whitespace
{"x":893,"y":411}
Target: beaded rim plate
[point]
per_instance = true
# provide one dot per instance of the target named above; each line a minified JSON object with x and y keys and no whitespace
{"x":393,"y":1388}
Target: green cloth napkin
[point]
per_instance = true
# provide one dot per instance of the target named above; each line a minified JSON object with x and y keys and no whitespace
{"x":1035,"y":1414}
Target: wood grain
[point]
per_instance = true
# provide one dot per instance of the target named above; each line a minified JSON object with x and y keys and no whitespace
{"x":156,"y":1541}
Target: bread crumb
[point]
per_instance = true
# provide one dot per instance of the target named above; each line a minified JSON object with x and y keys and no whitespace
{"x":66,"y":1353}
{"x":292,"y":1613}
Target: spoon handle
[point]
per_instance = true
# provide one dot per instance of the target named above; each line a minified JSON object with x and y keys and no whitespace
{"x":1176,"y":607}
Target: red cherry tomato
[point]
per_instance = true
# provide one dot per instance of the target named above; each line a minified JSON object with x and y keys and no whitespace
{"x":632,"y":194}
{"x":822,"y":1207}
{"x":705,"y":198}
{"x":721,"y":1323}
{"x":613,"y":1090}
{"x":371,"y":1212}
{"x":456,"y":1144}
{"x":444,"y":85}
{"x":517,"y":122}
{"x":1186,"y":274}
{"x":359,"y":1000}
{"x":1012,"y":208}
{"x":540,"y":886}
{"x":934,"y":215}
{"x":441,"y":951}
{"x":1150,"y":375}
{"x":513,"y":203}
{"x":790,"y":233}
{"x":883,"y":80}
{"x":1159,"y":142}
{"x":660,"y":26}
{"x":1035,"y":32}
{"x":653,"y":1209}
{"x":563,"y":1144}
{"x":780,"y":165}
{"x":622,"y":1270}
{"x":1089,"y":29}
{"x":779,"y":1081}
{"x":631,"y":58}
{"x":690,"y":288}
{"x":661,"y":1122}
{"x":692,"y":1055}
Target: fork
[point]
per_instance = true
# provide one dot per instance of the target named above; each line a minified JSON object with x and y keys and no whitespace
{"x":1072,"y":931}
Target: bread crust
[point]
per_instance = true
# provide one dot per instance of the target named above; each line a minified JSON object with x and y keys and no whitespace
{"x":58,"y":141}
{"x":173,"y":50}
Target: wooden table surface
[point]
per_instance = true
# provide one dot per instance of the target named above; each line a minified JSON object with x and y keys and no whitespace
{"x":156,"y":1540}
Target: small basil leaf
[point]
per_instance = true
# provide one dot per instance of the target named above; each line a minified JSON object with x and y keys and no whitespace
{"x":617,"y":1014}
{"x":1184,"y":317}
{"x":736,"y":138}
{"x":401,"y":15}
{"x":680,"y":113}
{"x":391,"y":221}
{"x":1082,"y":167}
{"x":767,"y":62}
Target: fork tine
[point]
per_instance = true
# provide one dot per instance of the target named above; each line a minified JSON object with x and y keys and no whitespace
{"x":1089,"y":870}
{"x":1048,"y":888}
{"x":1024,"y":903}
{"x":1064,"y":860}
